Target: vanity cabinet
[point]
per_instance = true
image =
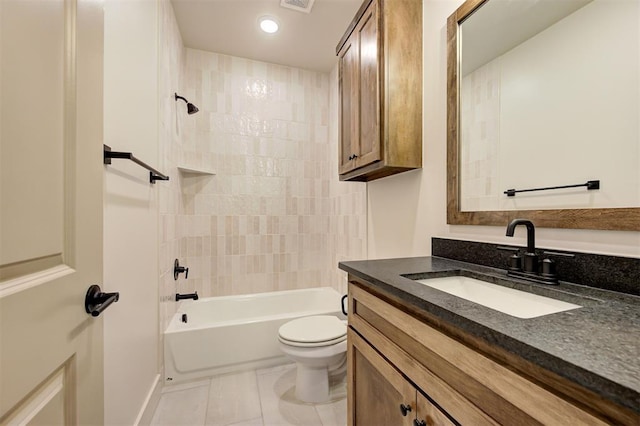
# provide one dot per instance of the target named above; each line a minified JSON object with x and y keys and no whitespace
{"x":382,"y":395}
{"x":396,"y":356}
{"x":380,"y":91}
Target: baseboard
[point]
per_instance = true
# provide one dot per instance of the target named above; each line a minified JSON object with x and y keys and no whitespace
{"x":150,"y":403}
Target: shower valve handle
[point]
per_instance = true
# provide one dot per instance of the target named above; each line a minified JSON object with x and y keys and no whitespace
{"x":177,"y":269}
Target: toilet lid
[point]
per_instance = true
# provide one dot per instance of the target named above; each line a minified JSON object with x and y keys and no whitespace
{"x":314,"y":330}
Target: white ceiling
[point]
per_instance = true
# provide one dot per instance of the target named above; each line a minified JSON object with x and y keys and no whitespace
{"x":231,"y":27}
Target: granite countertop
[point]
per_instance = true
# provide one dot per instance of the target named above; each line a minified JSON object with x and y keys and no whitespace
{"x":596,"y":346}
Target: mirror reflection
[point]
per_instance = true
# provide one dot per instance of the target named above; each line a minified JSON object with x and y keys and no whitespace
{"x":549,"y":96}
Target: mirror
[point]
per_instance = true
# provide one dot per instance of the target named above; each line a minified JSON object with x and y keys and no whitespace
{"x":544,"y":94}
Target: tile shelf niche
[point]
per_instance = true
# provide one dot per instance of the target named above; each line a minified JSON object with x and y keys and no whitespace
{"x":193,"y":170}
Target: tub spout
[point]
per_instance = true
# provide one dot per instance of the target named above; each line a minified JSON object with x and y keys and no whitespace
{"x":193,"y":296}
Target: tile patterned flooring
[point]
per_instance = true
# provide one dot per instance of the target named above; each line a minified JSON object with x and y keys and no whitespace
{"x":250,"y":398}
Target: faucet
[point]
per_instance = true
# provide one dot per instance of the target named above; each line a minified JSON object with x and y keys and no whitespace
{"x":530,"y":269}
{"x":530,"y":256}
{"x":193,"y":296}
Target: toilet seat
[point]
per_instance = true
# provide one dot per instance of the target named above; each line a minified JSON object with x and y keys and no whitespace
{"x":313,"y":331}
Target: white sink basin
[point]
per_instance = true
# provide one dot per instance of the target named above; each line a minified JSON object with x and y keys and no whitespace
{"x":504,"y":299}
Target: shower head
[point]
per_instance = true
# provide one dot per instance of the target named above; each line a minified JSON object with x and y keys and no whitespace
{"x":191,"y":108}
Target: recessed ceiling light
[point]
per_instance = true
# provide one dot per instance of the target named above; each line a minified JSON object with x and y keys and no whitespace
{"x":268,"y":24}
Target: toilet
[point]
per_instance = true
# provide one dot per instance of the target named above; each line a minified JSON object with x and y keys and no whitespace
{"x":318,"y":345}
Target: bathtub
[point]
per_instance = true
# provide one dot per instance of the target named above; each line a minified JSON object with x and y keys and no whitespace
{"x":233,"y":333}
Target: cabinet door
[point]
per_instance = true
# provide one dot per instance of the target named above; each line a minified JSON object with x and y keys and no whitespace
{"x":428,"y":414}
{"x":369,"y":87}
{"x":378,"y":393}
{"x":349,"y":103}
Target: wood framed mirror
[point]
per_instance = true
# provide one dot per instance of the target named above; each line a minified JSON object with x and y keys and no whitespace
{"x":576,"y":208}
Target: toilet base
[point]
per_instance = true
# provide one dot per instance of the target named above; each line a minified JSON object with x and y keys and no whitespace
{"x":312,"y":383}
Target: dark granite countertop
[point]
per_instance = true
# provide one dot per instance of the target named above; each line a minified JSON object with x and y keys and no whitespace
{"x":596,"y":346}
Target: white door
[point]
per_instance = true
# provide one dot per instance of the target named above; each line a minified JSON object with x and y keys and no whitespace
{"x":51,"y":354}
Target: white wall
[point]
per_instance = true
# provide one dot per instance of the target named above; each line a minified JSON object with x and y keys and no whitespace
{"x":407,"y":210}
{"x":131,"y":208}
{"x":171,"y":64}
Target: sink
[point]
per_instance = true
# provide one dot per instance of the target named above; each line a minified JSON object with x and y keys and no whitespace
{"x":507,"y":300}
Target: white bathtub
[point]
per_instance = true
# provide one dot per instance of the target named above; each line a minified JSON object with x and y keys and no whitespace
{"x":232,"y":333}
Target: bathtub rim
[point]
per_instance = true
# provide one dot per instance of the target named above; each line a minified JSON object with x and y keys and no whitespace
{"x":177,"y":326}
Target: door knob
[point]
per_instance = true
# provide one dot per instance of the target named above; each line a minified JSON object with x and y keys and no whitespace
{"x":95,"y":301}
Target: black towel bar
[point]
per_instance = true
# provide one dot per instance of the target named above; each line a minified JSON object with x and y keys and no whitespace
{"x":154,"y":175}
{"x":592,"y":184}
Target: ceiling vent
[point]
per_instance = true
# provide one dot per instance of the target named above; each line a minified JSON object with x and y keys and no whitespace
{"x":299,"y":5}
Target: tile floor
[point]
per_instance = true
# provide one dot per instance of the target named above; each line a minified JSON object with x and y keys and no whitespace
{"x":250,"y":398}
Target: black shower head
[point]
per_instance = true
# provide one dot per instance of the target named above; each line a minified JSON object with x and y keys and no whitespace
{"x":191,"y":108}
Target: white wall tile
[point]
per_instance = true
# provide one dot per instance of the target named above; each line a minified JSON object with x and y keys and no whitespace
{"x":270,"y":135}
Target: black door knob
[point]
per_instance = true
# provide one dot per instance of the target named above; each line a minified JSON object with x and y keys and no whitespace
{"x":95,"y":301}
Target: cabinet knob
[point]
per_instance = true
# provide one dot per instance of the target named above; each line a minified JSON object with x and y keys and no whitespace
{"x":405,"y":409}
{"x":417,"y":422}
{"x":355,"y":156}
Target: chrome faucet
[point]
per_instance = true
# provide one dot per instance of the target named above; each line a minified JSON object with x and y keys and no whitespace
{"x":530,"y":256}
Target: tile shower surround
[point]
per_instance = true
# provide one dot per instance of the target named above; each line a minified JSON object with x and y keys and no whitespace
{"x":274,"y":216}
{"x":621,"y":274}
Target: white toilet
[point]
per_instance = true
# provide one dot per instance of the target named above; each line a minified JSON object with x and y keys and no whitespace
{"x":318,"y":345}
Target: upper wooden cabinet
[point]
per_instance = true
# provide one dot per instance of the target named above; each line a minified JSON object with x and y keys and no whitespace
{"x":380,"y":86}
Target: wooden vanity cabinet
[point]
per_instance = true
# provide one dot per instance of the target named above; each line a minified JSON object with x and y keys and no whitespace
{"x":380,"y":90}
{"x":395,"y":357}
{"x":382,"y":395}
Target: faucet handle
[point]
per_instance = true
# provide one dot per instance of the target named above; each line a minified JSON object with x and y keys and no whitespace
{"x":177,"y":269}
{"x":549,"y":268}
{"x":515,"y":262}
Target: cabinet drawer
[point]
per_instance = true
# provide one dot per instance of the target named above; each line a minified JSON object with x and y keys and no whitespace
{"x":454,"y":375}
